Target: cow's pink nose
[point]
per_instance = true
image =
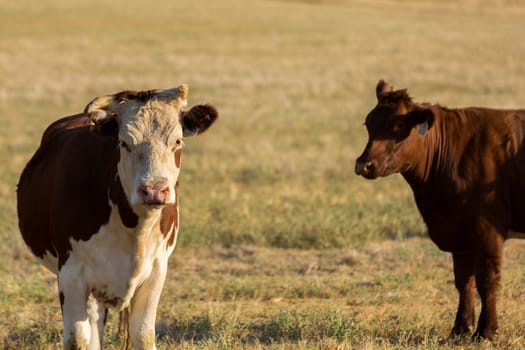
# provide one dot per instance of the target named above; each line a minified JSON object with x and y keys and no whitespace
{"x":156,"y":194}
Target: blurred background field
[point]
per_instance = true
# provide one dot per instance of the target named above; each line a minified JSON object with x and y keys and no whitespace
{"x":281,"y":245}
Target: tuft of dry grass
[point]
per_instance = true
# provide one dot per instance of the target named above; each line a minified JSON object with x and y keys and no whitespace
{"x":281,"y":246}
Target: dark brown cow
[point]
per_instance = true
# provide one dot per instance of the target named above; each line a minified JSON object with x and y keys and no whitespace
{"x":466,"y":168}
{"x":98,"y":205}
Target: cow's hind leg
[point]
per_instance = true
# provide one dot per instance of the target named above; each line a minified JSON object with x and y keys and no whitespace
{"x":488,"y":258}
{"x":97,"y":319}
{"x":466,"y":286}
{"x":73,"y":298}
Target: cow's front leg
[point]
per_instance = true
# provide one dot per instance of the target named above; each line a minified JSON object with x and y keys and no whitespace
{"x":73,"y":299}
{"x":97,"y":319}
{"x":488,"y":256}
{"x":466,"y":286}
{"x":143,"y":308}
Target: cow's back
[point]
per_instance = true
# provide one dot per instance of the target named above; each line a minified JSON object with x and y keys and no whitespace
{"x":502,"y":162}
{"x":63,"y":190}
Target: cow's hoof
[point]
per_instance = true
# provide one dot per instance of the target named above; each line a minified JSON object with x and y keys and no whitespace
{"x":487,"y":334}
{"x":461,"y":331}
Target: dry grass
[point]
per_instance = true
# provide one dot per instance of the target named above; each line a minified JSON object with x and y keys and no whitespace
{"x":390,"y":295}
{"x":304,"y":255}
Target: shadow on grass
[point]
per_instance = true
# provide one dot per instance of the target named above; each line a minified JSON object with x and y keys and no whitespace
{"x":307,"y":325}
{"x":284,"y":326}
{"x":197,"y":328}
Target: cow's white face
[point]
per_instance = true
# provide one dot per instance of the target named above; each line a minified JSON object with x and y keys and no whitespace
{"x":149,"y":127}
{"x":150,"y":140}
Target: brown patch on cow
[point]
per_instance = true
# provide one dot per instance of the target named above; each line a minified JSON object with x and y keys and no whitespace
{"x":169,"y":221}
{"x":178,"y":154}
{"x":63,"y":190}
{"x":71,"y":122}
{"x":117,"y":196}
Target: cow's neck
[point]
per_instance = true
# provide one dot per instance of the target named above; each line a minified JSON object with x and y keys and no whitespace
{"x":148,"y":234}
{"x":147,"y":240}
{"x":439,"y":169}
{"x":443,"y":147}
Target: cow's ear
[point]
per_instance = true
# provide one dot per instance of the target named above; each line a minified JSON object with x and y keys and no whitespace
{"x":197,"y":119}
{"x":103,"y":116}
{"x":423,"y":119}
{"x":383,"y":89}
{"x":104,"y":125}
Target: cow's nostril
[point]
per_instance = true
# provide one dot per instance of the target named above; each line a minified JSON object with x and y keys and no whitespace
{"x":369,"y":166}
{"x":154,"y":194}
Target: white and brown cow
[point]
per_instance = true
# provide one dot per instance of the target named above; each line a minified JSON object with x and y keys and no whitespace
{"x":97,"y":204}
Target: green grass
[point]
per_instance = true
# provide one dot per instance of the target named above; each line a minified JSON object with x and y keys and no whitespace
{"x":281,"y":245}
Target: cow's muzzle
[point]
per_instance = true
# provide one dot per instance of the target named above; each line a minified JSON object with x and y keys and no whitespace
{"x":365,"y":168}
{"x":156,"y":193}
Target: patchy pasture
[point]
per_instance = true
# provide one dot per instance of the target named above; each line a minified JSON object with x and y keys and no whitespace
{"x":281,"y":246}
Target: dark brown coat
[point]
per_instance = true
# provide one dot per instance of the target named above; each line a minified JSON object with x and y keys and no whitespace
{"x":466,"y":168}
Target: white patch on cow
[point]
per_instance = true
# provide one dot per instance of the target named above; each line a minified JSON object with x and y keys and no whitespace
{"x":150,"y":135}
{"x":122,"y":267}
{"x":117,"y":259}
{"x":513,"y":234}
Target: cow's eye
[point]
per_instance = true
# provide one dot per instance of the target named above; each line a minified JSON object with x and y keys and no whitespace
{"x":125,"y":146}
{"x":178,"y":144}
{"x":399,"y":126}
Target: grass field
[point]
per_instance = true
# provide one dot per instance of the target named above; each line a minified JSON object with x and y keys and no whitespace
{"x":281,"y":245}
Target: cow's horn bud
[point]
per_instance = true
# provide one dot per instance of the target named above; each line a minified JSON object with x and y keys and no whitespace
{"x":183,"y":91}
{"x":176,"y":96}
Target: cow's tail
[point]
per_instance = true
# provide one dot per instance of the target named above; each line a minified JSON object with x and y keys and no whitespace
{"x":123,"y":328}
